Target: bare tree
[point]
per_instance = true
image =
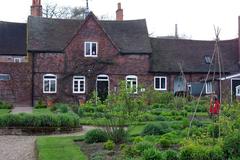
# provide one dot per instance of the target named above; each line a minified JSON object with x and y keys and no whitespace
{"x":55,"y":11}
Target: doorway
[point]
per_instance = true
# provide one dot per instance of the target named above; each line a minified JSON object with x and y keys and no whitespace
{"x":102,"y":87}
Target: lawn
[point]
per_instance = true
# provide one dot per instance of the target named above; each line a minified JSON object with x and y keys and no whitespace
{"x":4,"y":111}
{"x":58,"y":148}
{"x":42,"y":111}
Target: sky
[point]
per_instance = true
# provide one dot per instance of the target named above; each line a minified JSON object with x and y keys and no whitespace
{"x":195,"y":18}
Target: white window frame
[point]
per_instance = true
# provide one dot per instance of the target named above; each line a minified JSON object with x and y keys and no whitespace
{"x":79,"y":79}
{"x":209,"y":84}
{"x":49,"y":80}
{"x":160,"y":83}
{"x":237,"y":88}
{"x":7,"y":75}
{"x":85,"y":49}
{"x":131,"y":82}
{"x":17,"y":60}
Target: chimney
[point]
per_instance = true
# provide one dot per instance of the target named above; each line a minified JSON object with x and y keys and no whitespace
{"x":119,"y":13}
{"x":36,"y":8}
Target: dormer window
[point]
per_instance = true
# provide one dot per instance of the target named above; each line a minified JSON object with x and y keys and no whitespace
{"x":90,"y":49}
{"x":208,"y":60}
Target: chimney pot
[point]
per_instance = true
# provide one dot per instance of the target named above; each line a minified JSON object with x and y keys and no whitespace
{"x":119,"y":13}
{"x":36,"y":8}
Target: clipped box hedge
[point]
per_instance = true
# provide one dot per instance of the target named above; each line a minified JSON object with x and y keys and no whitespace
{"x":39,"y":120}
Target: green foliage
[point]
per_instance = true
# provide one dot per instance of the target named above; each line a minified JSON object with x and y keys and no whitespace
{"x":152,"y":154}
{"x":152,"y":96}
{"x":155,"y":129}
{"x":98,"y":156}
{"x":200,"y":152}
{"x":231,"y":145}
{"x":213,"y":130}
{"x":60,"y":108}
{"x":118,"y":135}
{"x":142,"y":146}
{"x":179,"y":102}
{"x":137,"y":139}
{"x":171,"y":155}
{"x":40,"y":104}
{"x":39,"y":120}
{"x":109,"y":145}
{"x":96,"y":136}
{"x":5,"y":105}
{"x":165,"y":143}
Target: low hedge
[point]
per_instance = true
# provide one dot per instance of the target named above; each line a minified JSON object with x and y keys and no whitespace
{"x":39,"y":120}
{"x":5,"y":105}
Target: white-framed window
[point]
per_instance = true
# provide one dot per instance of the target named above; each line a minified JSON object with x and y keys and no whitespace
{"x":49,"y":83}
{"x":209,"y":88}
{"x":132,"y":83}
{"x":17,"y":60}
{"x":90,"y":49}
{"x":4,"y":77}
{"x":238,"y":90}
{"x":160,"y":83}
{"x":79,"y":84}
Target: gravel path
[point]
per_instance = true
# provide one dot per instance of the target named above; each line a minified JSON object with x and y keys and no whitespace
{"x":23,"y":147}
{"x":17,"y":148}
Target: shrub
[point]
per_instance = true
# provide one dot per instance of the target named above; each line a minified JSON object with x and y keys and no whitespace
{"x":137,"y":139}
{"x":129,"y":151}
{"x":231,"y":145}
{"x":142,"y":146}
{"x":5,"y":105}
{"x":171,"y":155}
{"x":179,"y":102}
{"x":213,"y":130}
{"x":77,"y":110}
{"x":60,"y":108}
{"x":118,"y":135}
{"x":152,"y":154}
{"x":40,"y":104}
{"x":154,"y":129}
{"x":95,"y":136}
{"x":200,"y":152}
{"x":39,"y":120}
{"x":165,"y":143}
{"x":109,"y":145}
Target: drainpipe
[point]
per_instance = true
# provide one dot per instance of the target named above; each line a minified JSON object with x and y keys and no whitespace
{"x":33,"y":72}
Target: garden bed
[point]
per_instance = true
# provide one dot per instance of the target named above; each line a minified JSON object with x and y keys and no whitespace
{"x":38,"y":130}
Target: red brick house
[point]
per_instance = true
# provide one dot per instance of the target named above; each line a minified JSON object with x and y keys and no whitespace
{"x":68,"y":59}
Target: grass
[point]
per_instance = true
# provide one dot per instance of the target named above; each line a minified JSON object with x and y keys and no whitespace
{"x":58,"y":148}
{"x":136,"y":130}
{"x":4,"y":111}
{"x":42,"y":110}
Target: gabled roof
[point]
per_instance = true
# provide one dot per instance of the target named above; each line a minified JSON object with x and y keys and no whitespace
{"x":13,"y":39}
{"x":190,"y":54}
{"x":52,"y":35}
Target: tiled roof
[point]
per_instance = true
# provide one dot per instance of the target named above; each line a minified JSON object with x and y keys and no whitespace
{"x":190,"y":54}
{"x":46,"y":35}
{"x":13,"y":38}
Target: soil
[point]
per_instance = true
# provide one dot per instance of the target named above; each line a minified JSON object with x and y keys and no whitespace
{"x":91,"y":150}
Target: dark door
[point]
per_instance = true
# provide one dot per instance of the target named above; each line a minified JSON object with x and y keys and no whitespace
{"x":102,"y":90}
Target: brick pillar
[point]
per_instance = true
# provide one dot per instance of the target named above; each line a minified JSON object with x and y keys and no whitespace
{"x":119,"y":13}
{"x":36,"y":8}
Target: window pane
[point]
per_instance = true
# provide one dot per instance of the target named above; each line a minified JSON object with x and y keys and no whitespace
{"x":157,"y":83}
{"x":88,"y":51}
{"x":163,"y":83}
{"x":94,"y":49}
{"x":46,"y":86}
{"x":4,"y":77}
{"x":52,"y":87}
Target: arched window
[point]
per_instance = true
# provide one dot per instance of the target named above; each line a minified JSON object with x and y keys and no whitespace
{"x":49,"y":83}
{"x":78,"y":84}
{"x":132,"y":83}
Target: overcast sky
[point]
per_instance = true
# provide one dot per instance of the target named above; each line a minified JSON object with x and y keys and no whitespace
{"x":195,"y":18}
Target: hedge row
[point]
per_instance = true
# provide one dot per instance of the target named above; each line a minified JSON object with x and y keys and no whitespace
{"x":39,"y":120}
